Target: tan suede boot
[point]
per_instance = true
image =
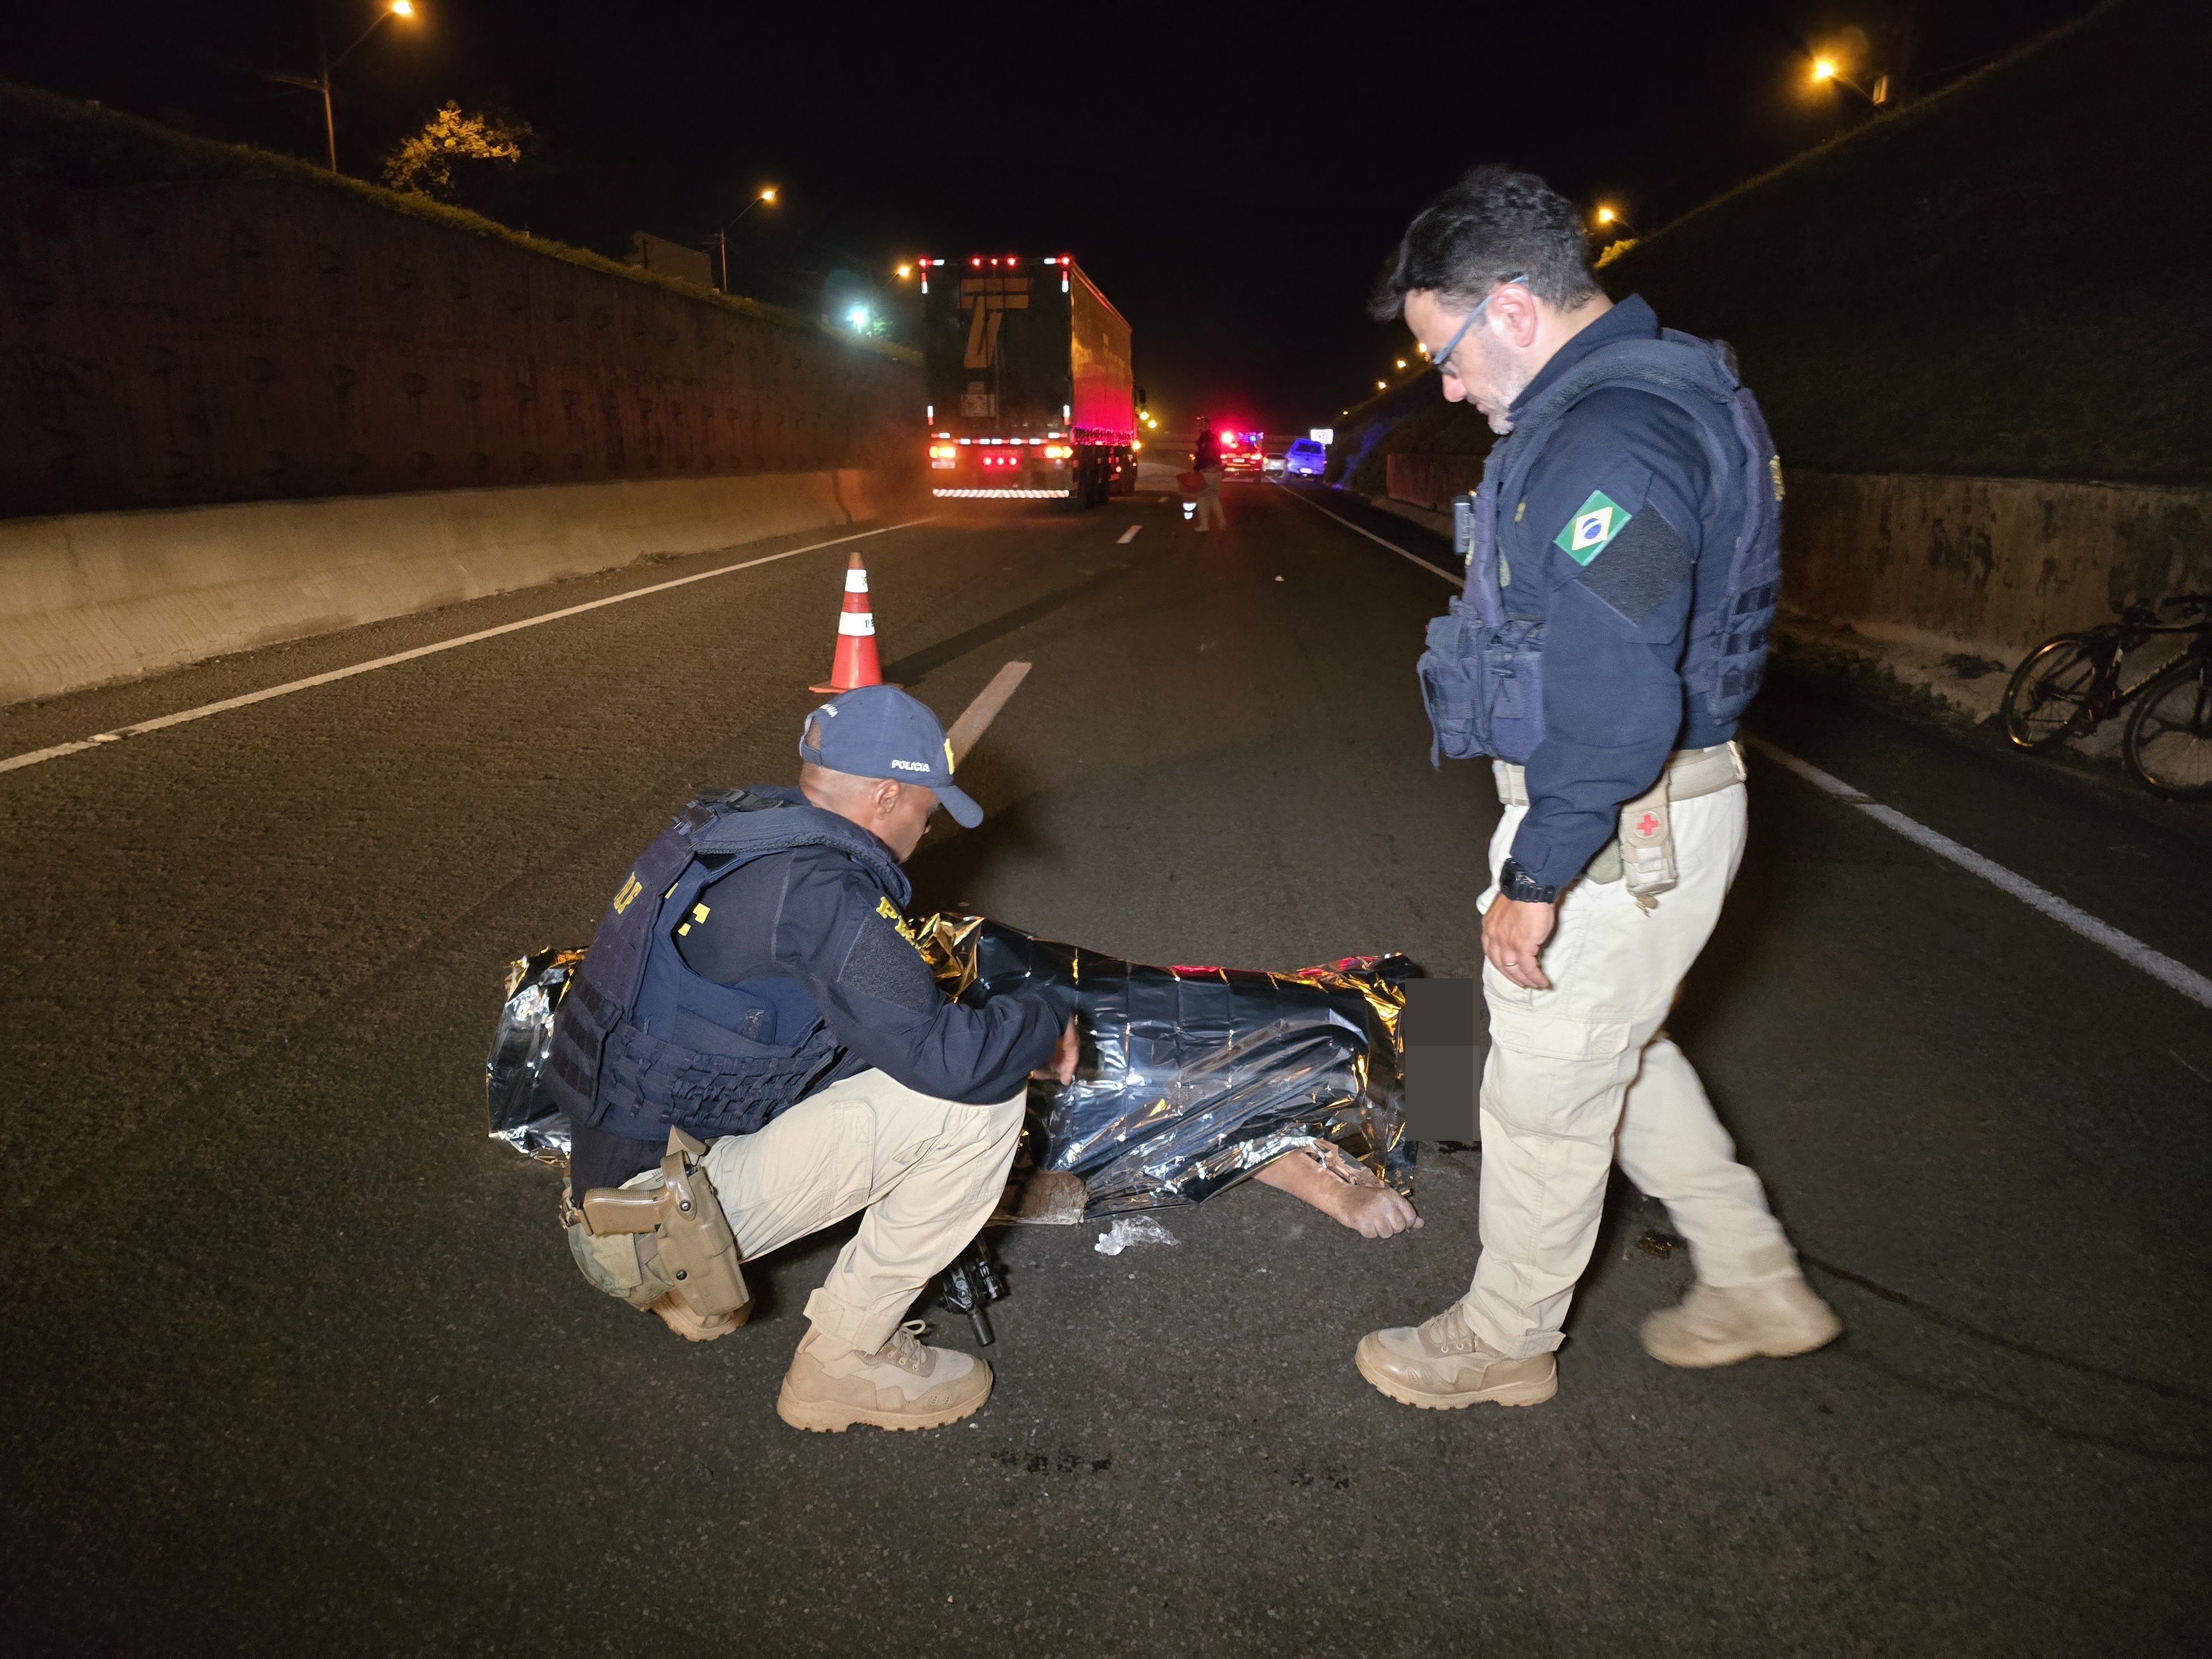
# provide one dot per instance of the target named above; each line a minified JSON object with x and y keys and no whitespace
{"x":1442,"y":1365}
{"x":1718,"y":1325}
{"x":678,"y":1315}
{"x":903,"y":1385}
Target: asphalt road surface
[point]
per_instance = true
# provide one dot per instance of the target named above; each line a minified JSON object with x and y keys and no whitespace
{"x":296,"y":1359}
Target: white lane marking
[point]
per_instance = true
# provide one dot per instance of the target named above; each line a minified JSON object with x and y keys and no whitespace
{"x":1458,"y":582}
{"x":2126,"y":946}
{"x":1129,"y":535}
{"x":975,"y":718}
{"x":33,"y":757}
{"x":2160,"y":967}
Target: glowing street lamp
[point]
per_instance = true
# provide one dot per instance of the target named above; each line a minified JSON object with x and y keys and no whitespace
{"x":905,"y":271}
{"x":765,"y":194}
{"x":1825,"y":68}
{"x":403,"y":9}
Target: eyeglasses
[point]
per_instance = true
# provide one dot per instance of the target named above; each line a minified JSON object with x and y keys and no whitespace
{"x":1441,"y":359}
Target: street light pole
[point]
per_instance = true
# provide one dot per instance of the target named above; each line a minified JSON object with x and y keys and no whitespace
{"x":722,"y":236}
{"x":330,"y":117}
{"x":321,"y":83}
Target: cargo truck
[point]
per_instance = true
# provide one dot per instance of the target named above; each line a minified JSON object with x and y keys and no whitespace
{"x":1031,"y":396}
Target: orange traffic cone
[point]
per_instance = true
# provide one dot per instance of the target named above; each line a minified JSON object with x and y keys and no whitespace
{"x":855,"y":663}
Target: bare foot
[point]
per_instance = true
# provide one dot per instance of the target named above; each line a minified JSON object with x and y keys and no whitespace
{"x":1341,"y":1190}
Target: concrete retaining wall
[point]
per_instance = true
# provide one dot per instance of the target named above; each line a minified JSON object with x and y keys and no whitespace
{"x":1996,"y":565}
{"x":94,"y":596}
{"x":1430,"y":481}
{"x":182,"y":342}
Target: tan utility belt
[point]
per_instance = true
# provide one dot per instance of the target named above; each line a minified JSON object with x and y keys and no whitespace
{"x":1643,"y":848}
{"x":1690,"y":773}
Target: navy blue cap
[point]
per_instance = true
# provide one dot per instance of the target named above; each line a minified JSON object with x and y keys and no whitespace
{"x":880,"y":731}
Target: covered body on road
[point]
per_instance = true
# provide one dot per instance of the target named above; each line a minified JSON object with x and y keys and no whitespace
{"x":1191,"y":1078}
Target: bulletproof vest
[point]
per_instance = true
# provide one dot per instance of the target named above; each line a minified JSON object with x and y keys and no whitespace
{"x":642,"y":1043}
{"x":1482,"y":676}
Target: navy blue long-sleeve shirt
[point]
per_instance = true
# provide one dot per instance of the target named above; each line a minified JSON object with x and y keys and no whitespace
{"x":817,"y":925}
{"x":1603,"y":544}
{"x":814,"y":916}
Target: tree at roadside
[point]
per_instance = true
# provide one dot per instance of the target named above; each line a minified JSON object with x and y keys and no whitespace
{"x":424,"y":164}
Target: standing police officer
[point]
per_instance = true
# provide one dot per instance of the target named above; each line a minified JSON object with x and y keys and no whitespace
{"x":1621,"y":583}
{"x":754,"y":984}
{"x":1205,"y":461}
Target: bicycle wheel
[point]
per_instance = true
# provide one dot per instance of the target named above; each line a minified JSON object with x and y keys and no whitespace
{"x":2168,"y":742}
{"x":2050,"y":693}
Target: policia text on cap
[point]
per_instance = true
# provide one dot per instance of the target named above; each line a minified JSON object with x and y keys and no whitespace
{"x":754,"y":1049}
{"x":1623,"y":561}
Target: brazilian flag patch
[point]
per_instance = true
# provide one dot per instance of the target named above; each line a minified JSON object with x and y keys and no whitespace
{"x":1595,"y":523}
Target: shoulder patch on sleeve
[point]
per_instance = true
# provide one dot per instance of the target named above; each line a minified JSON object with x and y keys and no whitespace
{"x":891,"y":914}
{"x":878,"y":965}
{"x":1645,"y":561}
{"x":1592,"y":528}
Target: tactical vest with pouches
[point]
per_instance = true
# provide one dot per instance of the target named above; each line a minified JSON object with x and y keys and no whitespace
{"x":1482,"y":675}
{"x":642,"y":1043}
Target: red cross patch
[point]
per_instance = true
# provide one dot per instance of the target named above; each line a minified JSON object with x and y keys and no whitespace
{"x":1648,"y":825}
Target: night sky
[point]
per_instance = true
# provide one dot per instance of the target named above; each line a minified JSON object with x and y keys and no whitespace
{"x":1231,"y":176}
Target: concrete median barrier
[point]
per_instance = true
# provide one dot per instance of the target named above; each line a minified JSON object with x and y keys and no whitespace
{"x":90,"y":598}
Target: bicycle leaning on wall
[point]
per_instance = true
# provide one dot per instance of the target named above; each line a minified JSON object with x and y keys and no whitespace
{"x":2071,"y":683}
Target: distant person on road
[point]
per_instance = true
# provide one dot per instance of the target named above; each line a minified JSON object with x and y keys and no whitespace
{"x":1205,"y":461}
{"x":1618,"y":593}
{"x":755,"y":984}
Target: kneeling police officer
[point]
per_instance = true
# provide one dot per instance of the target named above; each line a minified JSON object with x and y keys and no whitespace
{"x":755,"y":1049}
{"x":1623,"y":563}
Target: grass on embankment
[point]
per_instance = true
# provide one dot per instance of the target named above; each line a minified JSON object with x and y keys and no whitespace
{"x":48,"y":139}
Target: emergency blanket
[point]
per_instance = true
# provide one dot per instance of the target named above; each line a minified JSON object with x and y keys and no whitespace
{"x":1190,"y":1077}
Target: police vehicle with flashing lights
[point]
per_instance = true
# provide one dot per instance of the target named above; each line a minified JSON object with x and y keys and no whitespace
{"x":1242,"y":455}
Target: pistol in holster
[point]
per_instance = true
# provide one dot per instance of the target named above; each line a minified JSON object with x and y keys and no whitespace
{"x":690,"y":1257}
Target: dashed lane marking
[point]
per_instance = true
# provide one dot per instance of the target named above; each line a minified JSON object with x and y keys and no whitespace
{"x":139,"y":730}
{"x":1129,"y":535}
{"x":2160,"y":967}
{"x":1445,"y":575}
{"x":976,"y":718}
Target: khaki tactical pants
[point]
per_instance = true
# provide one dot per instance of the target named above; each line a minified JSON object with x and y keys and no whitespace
{"x":1209,"y":500}
{"x":1580,"y":1074}
{"x":927,"y":1171}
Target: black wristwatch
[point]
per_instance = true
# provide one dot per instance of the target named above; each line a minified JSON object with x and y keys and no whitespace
{"x":1517,"y":884}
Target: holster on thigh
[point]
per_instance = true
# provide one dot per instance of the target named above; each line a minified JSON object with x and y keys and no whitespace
{"x":642,"y":1244}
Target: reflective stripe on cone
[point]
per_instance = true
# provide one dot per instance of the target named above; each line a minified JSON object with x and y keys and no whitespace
{"x":855,"y":663}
